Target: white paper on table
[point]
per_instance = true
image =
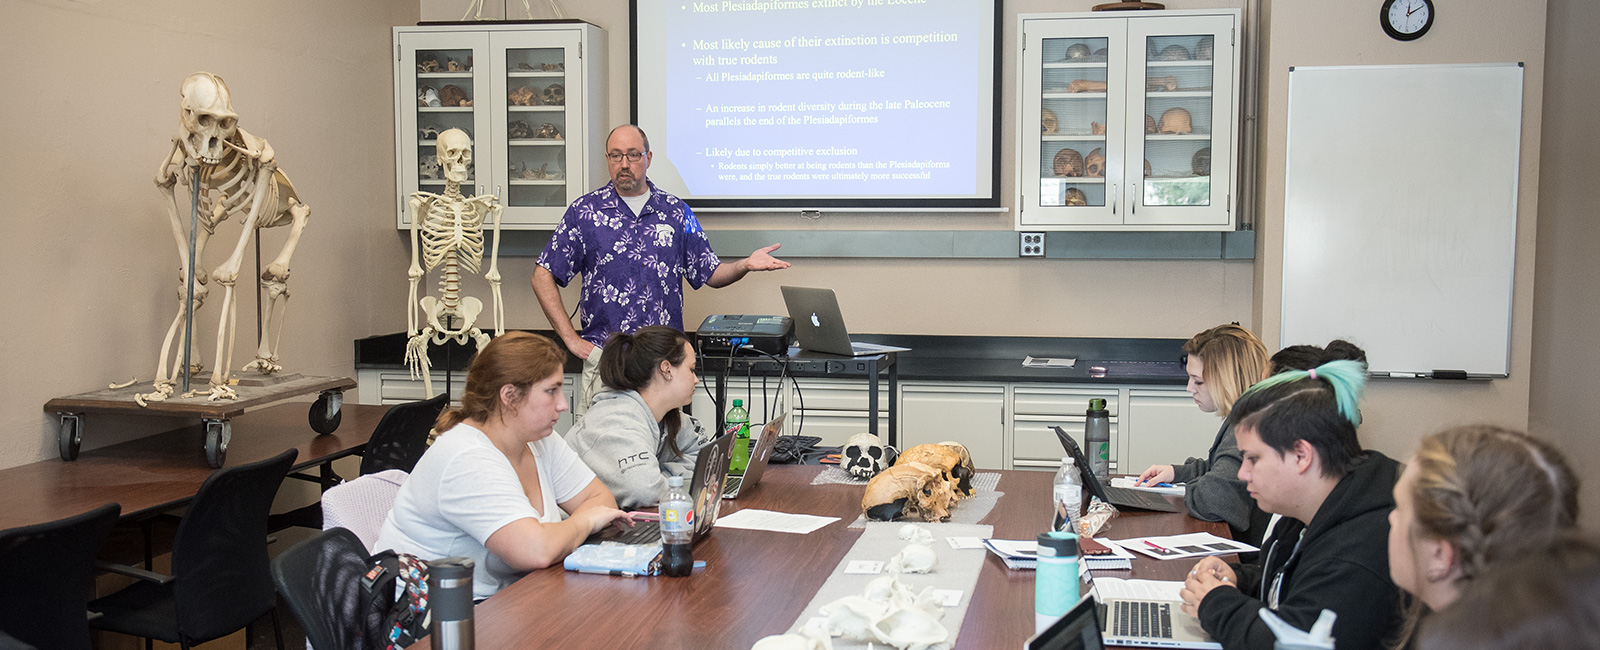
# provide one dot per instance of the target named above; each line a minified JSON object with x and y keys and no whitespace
{"x":1119,"y":589}
{"x":1048,"y":362}
{"x":1191,"y":545}
{"x":781,"y":522}
{"x":1128,"y":482}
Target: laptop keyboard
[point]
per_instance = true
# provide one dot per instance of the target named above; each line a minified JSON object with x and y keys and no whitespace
{"x":731,"y":487}
{"x":1138,"y":498}
{"x":1133,"y":618}
{"x":648,"y":532}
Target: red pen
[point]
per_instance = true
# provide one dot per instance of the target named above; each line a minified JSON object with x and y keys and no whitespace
{"x":1158,"y":547}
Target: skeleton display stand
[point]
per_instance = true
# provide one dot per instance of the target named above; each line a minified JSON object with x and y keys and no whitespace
{"x":229,"y":174}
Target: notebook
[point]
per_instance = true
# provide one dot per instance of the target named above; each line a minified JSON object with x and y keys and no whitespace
{"x":1148,"y":613}
{"x":759,"y":456}
{"x":820,"y":327}
{"x":1120,"y":497}
{"x":710,"y":470}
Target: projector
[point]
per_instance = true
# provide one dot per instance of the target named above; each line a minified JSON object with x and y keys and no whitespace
{"x":721,"y":333}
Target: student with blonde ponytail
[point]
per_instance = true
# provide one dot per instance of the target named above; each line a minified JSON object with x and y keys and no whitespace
{"x":1473,"y":497}
{"x":1302,"y":459}
{"x":496,"y":486}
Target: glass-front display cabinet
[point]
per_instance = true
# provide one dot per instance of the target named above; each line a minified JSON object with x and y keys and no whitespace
{"x":1128,"y":122}
{"x":531,"y":97}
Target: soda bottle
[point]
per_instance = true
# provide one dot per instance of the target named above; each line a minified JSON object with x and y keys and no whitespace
{"x":677,"y":530}
{"x":1097,"y":440}
{"x":738,"y":423}
{"x":1068,"y":496}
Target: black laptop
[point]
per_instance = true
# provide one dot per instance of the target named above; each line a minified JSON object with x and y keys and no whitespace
{"x":1119,"y":497}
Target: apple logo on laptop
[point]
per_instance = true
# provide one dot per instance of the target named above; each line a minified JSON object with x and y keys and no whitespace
{"x":815,"y":322}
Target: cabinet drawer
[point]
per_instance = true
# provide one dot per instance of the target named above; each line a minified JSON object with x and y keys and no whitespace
{"x":1044,"y":400}
{"x":399,"y":387}
{"x":1033,"y":440}
{"x":831,"y":395}
{"x":832,"y":426}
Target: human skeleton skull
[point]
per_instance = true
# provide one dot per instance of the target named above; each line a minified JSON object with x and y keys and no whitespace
{"x":1201,"y":163}
{"x":864,"y":455}
{"x":909,"y":488}
{"x":1075,"y":197}
{"x":1176,"y":120}
{"x":1048,"y":122}
{"x":1173,"y":53}
{"x":1095,"y":164}
{"x":1068,"y":163}
{"x":455,"y":155}
{"x":554,"y":95}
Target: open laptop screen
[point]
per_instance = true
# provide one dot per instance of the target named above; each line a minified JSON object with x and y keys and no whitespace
{"x":1078,"y":629}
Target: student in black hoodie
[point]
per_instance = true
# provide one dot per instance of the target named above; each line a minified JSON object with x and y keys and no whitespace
{"x":1297,"y":433}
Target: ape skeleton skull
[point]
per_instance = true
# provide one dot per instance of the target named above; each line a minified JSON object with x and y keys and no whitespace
{"x":554,"y":95}
{"x":1201,"y":162}
{"x":864,"y":455}
{"x":1075,"y":197}
{"x":1048,"y":123}
{"x":909,"y":488}
{"x":1095,"y":164}
{"x":1068,"y":163}
{"x":207,"y":117}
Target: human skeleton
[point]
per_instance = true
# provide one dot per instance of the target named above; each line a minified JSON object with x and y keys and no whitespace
{"x":238,"y":177}
{"x":448,"y":229}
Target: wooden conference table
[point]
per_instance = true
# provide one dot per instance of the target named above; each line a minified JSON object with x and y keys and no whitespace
{"x":757,"y":583}
{"x":158,"y":473}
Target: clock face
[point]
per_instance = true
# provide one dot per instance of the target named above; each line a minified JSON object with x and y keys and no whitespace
{"x":1406,"y":19}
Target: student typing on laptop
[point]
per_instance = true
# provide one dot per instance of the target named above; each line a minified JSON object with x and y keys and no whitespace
{"x":496,"y":486}
{"x":1302,"y":459}
{"x":636,"y":435}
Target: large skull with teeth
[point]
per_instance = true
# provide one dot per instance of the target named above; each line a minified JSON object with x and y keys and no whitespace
{"x":948,"y":461}
{"x":864,"y":456}
{"x":455,"y":155}
{"x":908,"y":489}
{"x":207,"y":117}
{"x":554,"y":95}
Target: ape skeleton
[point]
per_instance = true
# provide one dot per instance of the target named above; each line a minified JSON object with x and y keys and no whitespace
{"x":448,"y":229}
{"x":238,"y":177}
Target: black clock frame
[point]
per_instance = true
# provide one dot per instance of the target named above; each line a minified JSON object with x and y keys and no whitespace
{"x":1383,"y":19}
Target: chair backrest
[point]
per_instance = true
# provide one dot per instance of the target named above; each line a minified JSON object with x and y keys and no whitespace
{"x":221,"y":579}
{"x":361,"y":505}
{"x":320,"y":579}
{"x":402,"y":435}
{"x":46,"y":578}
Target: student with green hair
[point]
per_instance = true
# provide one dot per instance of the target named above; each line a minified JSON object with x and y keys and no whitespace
{"x":1302,"y":459}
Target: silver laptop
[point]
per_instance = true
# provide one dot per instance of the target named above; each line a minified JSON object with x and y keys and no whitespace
{"x":759,"y":455}
{"x":820,"y":327}
{"x":1152,"y":624}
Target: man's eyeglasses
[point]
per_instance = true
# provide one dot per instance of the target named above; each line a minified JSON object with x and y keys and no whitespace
{"x":632,"y":156}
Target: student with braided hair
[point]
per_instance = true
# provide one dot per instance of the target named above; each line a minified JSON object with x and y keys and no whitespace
{"x":1297,"y":433}
{"x":1547,"y":599}
{"x":1473,"y":497}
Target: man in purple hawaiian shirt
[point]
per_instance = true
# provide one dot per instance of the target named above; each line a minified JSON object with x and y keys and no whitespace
{"x":635,"y":245}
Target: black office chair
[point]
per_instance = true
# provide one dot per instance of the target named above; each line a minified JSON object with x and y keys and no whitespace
{"x":402,"y":435}
{"x":220,"y":578}
{"x":320,"y":578}
{"x":46,"y":578}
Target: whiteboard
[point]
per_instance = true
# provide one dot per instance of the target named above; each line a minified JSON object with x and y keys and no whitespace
{"x":1400,"y":213}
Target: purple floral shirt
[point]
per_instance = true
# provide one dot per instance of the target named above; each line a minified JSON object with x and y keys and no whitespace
{"x":633,"y":266}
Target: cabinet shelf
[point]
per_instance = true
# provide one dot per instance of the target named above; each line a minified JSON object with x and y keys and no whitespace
{"x":1163,"y":94}
{"x":1193,"y":63}
{"x":1076,"y":180}
{"x":1178,"y":136}
{"x":536,"y":143}
{"x":1062,"y":94}
{"x":1075,"y":65}
{"x":533,"y":182}
{"x":538,"y":74}
{"x":445,"y":75}
{"x":535,"y":109}
{"x":1071,"y":137}
{"x":444,"y":109}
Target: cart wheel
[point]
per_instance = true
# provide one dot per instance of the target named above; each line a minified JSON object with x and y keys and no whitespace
{"x":326,"y":412}
{"x":70,"y":436}
{"x":218,"y":432}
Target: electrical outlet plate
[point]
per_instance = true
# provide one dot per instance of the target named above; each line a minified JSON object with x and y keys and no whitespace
{"x":1031,"y":244}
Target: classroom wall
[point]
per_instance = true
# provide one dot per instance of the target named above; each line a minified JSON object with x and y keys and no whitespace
{"x":1566,"y":293}
{"x":90,"y":107}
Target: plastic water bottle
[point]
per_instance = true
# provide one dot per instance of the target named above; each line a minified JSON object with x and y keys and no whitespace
{"x":677,"y":530}
{"x":1055,"y":581}
{"x":1097,"y":440}
{"x":738,"y":423}
{"x":450,"y":602}
{"x":1068,"y":496}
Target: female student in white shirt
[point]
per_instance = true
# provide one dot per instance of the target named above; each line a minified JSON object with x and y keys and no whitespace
{"x":496,"y":486}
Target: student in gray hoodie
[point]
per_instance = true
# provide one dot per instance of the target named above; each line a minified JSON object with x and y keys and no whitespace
{"x":636,"y":435}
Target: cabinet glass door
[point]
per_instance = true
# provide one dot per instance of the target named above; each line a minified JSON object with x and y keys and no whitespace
{"x":533,"y":92}
{"x":1078,"y":112}
{"x":444,"y":74}
{"x":1186,"y":103}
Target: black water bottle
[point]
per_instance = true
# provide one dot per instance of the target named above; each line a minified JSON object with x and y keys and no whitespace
{"x":450,"y":603}
{"x":677,"y":530}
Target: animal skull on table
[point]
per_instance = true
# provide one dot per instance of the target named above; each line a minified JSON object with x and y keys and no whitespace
{"x":910,"y":489}
{"x":238,"y":177}
{"x":864,"y":456}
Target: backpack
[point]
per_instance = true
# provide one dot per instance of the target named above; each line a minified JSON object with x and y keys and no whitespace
{"x":395,"y":598}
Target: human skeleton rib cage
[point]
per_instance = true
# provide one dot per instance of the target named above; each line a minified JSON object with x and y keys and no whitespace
{"x":238,"y":177}
{"x":447,"y":230}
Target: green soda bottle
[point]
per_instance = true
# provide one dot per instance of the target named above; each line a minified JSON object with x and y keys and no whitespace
{"x":738,"y":424}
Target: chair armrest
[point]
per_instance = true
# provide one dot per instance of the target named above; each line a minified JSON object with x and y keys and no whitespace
{"x":133,"y":572}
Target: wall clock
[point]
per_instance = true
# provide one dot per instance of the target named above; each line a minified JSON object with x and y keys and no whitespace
{"x":1406,"y":20}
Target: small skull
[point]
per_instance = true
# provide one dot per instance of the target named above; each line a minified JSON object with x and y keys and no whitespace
{"x":427,"y":132}
{"x":455,"y":155}
{"x":519,"y":130}
{"x":427,"y":63}
{"x":1201,"y":163}
{"x":523,"y":96}
{"x":207,"y":116}
{"x":1075,"y":197}
{"x":453,"y":65}
{"x":911,"y":489}
{"x":1048,"y":122}
{"x":864,"y":456}
{"x":1206,"y":49}
{"x":453,"y":95}
{"x":1068,"y":163}
{"x":1149,"y":124}
{"x":1176,"y":120}
{"x":914,"y":558}
{"x":1173,"y":53}
{"x":547,"y":131}
{"x":1078,"y":52}
{"x":554,"y":95}
{"x":428,"y":167}
{"x":1095,"y":164}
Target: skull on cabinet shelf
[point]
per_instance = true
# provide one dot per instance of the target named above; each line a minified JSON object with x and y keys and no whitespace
{"x":1173,"y":53}
{"x":1076,"y":197}
{"x":1201,"y":163}
{"x":1149,"y":124}
{"x":1068,"y":163}
{"x":554,"y":95}
{"x":864,"y":456}
{"x":1206,"y":49}
{"x":523,"y":96}
{"x":453,"y":95}
{"x":1048,"y":123}
{"x":1176,"y":120}
{"x":547,"y":131}
{"x":1095,"y":164}
{"x":1078,"y":52}
{"x":519,"y":130}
